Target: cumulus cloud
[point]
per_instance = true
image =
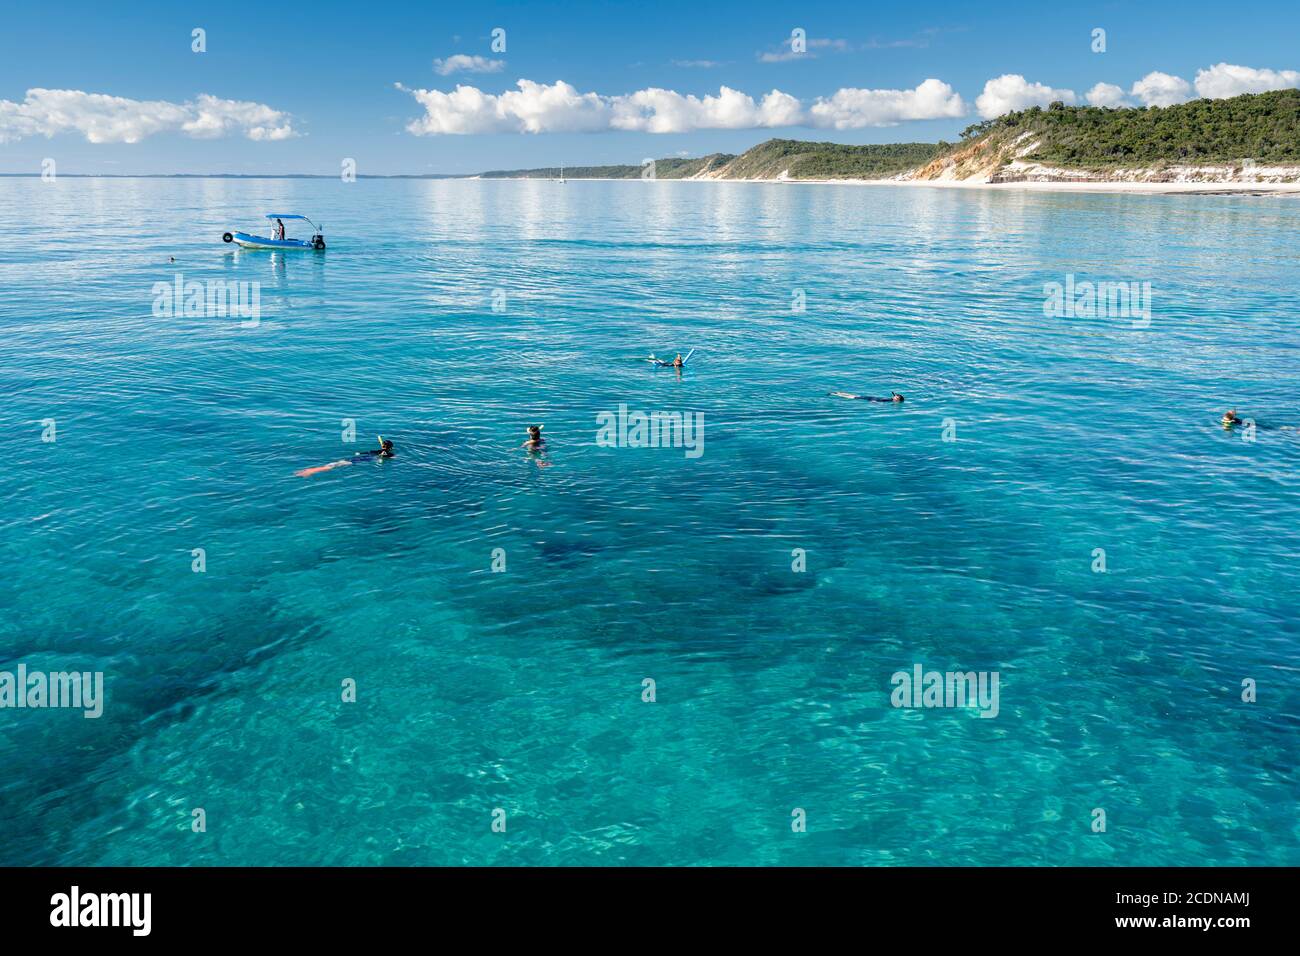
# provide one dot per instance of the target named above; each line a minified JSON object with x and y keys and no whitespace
{"x":533,"y":108}
{"x":667,"y":111}
{"x":1223,"y":80}
{"x":462,"y":63}
{"x":559,"y":107}
{"x":854,"y":109}
{"x":1106,"y":94}
{"x":215,"y":117}
{"x":115,"y":119}
{"x":1161,"y":89}
{"x":1011,"y":91}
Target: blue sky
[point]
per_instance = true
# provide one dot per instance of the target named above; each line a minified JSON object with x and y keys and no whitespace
{"x":298,"y":87}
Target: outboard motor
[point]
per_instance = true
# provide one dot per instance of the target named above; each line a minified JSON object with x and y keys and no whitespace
{"x":318,"y":242}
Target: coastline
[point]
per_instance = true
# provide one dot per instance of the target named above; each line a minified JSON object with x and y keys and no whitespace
{"x":1078,"y":186}
{"x":1101,"y":186}
{"x":1090,"y":186}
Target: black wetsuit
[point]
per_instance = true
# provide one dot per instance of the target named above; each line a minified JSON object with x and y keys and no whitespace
{"x":861,"y":398}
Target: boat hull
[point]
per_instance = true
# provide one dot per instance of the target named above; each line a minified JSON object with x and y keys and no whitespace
{"x":262,"y":242}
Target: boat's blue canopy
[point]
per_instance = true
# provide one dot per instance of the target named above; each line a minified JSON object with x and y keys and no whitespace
{"x":280,"y":215}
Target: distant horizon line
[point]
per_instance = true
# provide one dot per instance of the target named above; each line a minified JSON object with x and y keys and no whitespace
{"x":241,"y":175}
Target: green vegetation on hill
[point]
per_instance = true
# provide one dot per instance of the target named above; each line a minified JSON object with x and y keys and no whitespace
{"x":1260,"y":126}
{"x":765,"y":161}
{"x":1264,"y":127}
{"x":571,"y":172}
{"x":829,"y":160}
{"x":675,"y":168}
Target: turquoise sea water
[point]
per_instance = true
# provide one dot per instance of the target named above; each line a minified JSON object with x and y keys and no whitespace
{"x":522,"y":690}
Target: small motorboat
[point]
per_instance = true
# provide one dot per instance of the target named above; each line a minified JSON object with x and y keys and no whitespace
{"x":250,"y":241}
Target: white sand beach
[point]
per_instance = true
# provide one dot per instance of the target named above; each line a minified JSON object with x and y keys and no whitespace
{"x":1091,"y":186}
{"x":1082,"y":186}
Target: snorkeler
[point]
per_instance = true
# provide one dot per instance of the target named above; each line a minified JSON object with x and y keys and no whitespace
{"x":536,"y":446}
{"x":894,"y":397}
{"x":1230,"y":420}
{"x":385,"y":450}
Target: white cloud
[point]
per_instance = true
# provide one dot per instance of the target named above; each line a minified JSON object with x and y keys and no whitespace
{"x":462,"y":63}
{"x":115,"y":119}
{"x":784,"y":51}
{"x":533,"y":108}
{"x":854,"y":109}
{"x":216,"y":117}
{"x":919,"y":43}
{"x":559,"y":107}
{"x":1223,"y":80}
{"x":697,"y":64}
{"x":1106,"y":94}
{"x":1011,"y":91}
{"x":1161,"y":89}
{"x":666,"y":111}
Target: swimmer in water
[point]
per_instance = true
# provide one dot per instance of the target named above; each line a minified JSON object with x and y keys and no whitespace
{"x":1231,"y":420}
{"x":678,"y":363}
{"x":894,"y":397}
{"x":385,"y":450}
{"x":536,"y":446}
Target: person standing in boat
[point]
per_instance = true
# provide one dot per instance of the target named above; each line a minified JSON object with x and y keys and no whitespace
{"x":279,"y":229}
